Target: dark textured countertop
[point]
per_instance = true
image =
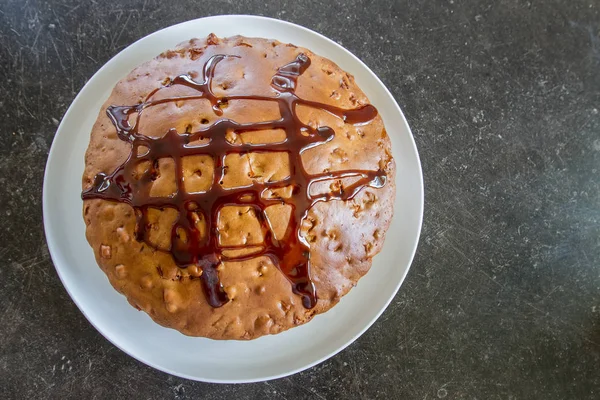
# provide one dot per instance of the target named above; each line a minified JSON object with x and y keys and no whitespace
{"x":503,"y":298}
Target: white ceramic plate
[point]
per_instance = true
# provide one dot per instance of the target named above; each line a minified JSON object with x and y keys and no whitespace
{"x":204,"y":359}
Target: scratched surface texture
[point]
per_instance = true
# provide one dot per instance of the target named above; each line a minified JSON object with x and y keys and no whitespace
{"x":503,"y":299}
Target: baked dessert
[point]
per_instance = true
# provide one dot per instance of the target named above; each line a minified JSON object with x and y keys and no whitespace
{"x":236,"y":187}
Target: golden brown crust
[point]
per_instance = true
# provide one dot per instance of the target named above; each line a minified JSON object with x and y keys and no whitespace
{"x":343,"y":236}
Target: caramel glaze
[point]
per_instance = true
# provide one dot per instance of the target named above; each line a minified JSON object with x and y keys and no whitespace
{"x":188,"y":246}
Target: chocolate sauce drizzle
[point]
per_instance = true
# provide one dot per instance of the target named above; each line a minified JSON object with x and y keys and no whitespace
{"x":188,"y":246}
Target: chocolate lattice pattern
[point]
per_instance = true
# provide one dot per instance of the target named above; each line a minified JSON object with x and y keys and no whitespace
{"x":188,"y":245}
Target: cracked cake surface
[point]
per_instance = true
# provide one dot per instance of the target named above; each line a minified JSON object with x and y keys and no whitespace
{"x":236,"y":187}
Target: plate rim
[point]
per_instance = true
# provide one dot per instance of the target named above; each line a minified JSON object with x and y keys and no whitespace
{"x":53,"y":247}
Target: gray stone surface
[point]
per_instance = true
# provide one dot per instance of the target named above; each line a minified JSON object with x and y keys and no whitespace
{"x":503,"y":298}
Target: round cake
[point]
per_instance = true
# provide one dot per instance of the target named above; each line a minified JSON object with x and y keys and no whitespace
{"x":236,"y":187}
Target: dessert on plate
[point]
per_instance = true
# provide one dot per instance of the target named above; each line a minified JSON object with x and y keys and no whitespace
{"x":236,"y":187}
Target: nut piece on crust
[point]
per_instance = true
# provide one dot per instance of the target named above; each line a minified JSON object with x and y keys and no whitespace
{"x":263,"y":150}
